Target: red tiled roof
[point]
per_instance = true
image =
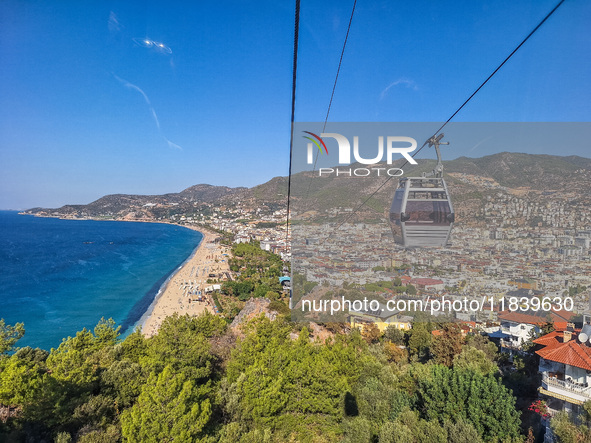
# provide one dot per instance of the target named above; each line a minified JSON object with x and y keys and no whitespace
{"x":520,"y":317}
{"x":537,"y":318}
{"x":570,"y":353}
{"x":426,"y":281}
{"x":560,"y":325}
{"x":562,"y":315}
{"x":552,"y":339}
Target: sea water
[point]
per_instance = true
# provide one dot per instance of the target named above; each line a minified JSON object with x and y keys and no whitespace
{"x":60,"y":276}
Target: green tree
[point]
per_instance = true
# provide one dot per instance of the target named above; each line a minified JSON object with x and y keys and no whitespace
{"x":20,"y":382}
{"x":371,"y":333}
{"x":282,"y":377}
{"x":9,"y":335}
{"x":63,"y":437}
{"x":450,"y":394}
{"x":28,"y":354}
{"x":448,"y":344}
{"x":26,"y":384}
{"x":461,"y":432}
{"x":483,"y":344}
{"x":105,"y":333}
{"x":419,"y":340}
{"x":123,"y":380}
{"x":394,"y":335}
{"x":97,"y":413}
{"x":79,"y":359}
{"x":566,"y":431}
{"x":298,"y":388}
{"x":357,"y":430}
{"x":110,"y":434}
{"x":261,"y":291}
{"x":475,"y":360}
{"x":379,"y":398}
{"x":409,"y":428}
{"x":168,"y":409}
{"x":182,"y":342}
{"x":134,"y":347}
{"x":70,"y":362}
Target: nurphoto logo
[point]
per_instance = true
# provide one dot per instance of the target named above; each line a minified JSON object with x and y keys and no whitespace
{"x":395,"y":145}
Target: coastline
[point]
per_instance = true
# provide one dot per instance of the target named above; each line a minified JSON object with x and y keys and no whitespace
{"x":146,"y":314}
{"x":184,"y":291}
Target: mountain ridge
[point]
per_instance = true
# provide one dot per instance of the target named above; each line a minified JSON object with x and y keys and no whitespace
{"x":504,"y":170}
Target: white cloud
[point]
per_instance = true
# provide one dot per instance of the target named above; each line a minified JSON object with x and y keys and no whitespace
{"x":479,"y":143}
{"x":172,"y":145}
{"x":401,"y":81}
{"x":152,"y":110}
{"x":114,"y":25}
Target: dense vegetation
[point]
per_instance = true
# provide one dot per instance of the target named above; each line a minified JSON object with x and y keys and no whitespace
{"x":197,"y":381}
{"x":257,"y":272}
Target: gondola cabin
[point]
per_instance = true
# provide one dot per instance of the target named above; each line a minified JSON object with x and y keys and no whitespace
{"x":421,"y":214}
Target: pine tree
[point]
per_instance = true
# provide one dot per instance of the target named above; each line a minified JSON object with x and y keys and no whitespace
{"x":168,"y":410}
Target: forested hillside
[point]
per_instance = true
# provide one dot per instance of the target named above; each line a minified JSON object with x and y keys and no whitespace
{"x":198,"y":381}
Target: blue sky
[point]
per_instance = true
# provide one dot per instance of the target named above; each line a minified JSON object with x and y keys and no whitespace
{"x":86,"y":109}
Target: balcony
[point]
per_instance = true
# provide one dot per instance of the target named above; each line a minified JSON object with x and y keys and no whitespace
{"x":566,"y":388}
{"x":509,"y":344}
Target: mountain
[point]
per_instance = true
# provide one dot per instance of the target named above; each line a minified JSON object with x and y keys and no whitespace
{"x":471,"y":181}
{"x":143,"y":206}
{"x":205,"y":193}
{"x":516,"y":170}
{"x":466,"y":177}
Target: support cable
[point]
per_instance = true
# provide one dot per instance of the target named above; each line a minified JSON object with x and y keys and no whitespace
{"x":293,"y":95}
{"x":456,"y":112}
{"x":334,"y":86}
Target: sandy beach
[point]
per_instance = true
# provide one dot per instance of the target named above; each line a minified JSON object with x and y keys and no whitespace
{"x":185,"y":291}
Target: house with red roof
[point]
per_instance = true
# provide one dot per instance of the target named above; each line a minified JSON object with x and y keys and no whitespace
{"x":428,"y":284}
{"x":405,"y":279}
{"x":518,"y":326}
{"x":565,"y":365}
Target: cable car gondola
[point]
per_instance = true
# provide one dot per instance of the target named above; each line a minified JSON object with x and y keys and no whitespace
{"x":421,"y":214}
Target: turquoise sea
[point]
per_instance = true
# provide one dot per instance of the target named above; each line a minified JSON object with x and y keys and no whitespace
{"x":59,"y":276}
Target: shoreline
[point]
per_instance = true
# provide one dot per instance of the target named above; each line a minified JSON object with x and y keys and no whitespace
{"x":181,"y":292}
{"x":198,"y":228}
{"x":144,"y":317}
{"x":184,"y":291}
